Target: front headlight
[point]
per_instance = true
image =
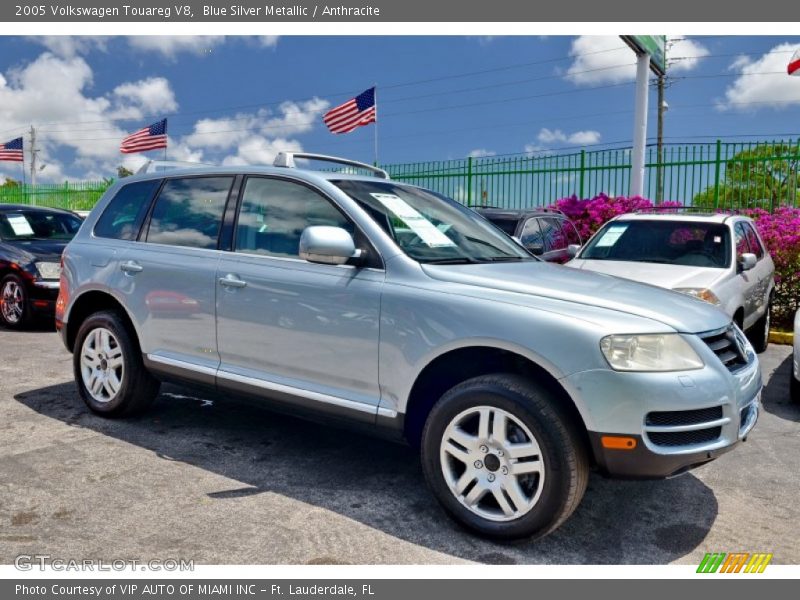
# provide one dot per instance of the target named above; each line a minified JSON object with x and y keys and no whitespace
{"x":650,"y":352}
{"x":700,"y":293}
{"x":49,"y":270}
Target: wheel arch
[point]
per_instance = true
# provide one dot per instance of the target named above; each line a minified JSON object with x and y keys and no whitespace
{"x":453,"y":366}
{"x":90,"y":302}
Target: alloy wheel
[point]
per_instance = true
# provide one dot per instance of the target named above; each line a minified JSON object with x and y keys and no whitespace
{"x":12,"y":302}
{"x":102,"y":365}
{"x":492,"y":463}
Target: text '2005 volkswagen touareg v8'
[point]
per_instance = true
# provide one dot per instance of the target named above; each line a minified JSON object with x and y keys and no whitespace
{"x":384,"y":304}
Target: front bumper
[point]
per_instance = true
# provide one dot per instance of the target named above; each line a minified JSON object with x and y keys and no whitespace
{"x":42,"y":295}
{"x":679,"y":420}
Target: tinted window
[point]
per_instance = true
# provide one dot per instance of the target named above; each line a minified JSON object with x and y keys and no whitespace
{"x":188,"y":212}
{"x":38,"y":225}
{"x":509,"y":226}
{"x":124,"y":215}
{"x":753,"y":241}
{"x":275,"y":212}
{"x":554,"y":237}
{"x":531,"y":236}
{"x":665,"y":242}
{"x":569,"y":231}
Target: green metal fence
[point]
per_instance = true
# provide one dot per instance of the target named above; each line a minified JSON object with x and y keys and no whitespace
{"x":718,"y":174}
{"x":721,"y":174}
{"x":78,"y":195}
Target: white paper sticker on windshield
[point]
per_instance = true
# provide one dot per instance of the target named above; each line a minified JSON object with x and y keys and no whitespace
{"x":427,"y":231}
{"x":19,"y":224}
{"x":610,"y":237}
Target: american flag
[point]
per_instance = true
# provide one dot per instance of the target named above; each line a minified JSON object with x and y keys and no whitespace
{"x":147,"y":138}
{"x":354,"y":113}
{"x":12,"y":150}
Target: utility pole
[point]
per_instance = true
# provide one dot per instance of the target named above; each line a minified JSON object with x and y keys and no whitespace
{"x":640,"y":124}
{"x":34,"y":152}
{"x":660,"y":142}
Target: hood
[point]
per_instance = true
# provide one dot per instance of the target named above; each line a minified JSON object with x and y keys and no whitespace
{"x":37,"y":250}
{"x":666,"y":276}
{"x":680,"y":312}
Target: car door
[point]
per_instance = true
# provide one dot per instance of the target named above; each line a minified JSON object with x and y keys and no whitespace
{"x":290,"y":329}
{"x":763,"y":271}
{"x":169,"y":278}
{"x":747,"y":280}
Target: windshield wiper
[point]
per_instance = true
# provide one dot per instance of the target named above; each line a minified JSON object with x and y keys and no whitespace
{"x":504,"y":258}
{"x":461,"y":260}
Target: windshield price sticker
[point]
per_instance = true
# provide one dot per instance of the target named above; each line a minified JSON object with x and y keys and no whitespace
{"x":611,"y":236}
{"x":19,"y":224}
{"x":427,"y":231}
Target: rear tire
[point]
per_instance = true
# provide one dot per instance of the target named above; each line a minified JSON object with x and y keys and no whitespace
{"x":14,"y":310}
{"x":759,"y":332}
{"x":503,"y":459}
{"x":108,"y":367}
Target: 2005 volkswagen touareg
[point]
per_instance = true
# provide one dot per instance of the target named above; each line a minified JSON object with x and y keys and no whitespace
{"x":372,"y":301}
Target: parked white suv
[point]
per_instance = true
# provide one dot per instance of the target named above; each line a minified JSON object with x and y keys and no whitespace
{"x":719,"y":258}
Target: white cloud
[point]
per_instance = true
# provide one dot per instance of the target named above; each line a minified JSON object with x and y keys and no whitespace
{"x":481,"y":153}
{"x":762,"y":82}
{"x":69,"y":46}
{"x":268,"y":41}
{"x":684,"y":54}
{"x":259,"y":150}
{"x":557,"y":136}
{"x":172,"y":45}
{"x":602,"y":59}
{"x":52,"y":93}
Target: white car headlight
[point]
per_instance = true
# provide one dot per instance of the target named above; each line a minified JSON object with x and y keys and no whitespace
{"x":49,"y":270}
{"x":701,"y":293}
{"x":650,"y":352}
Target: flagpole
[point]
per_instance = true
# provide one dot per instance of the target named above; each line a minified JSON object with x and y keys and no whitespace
{"x":376,"y":123}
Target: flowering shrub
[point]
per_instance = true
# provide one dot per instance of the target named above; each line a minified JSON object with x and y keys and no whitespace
{"x":780,"y":231}
{"x":589,"y":214}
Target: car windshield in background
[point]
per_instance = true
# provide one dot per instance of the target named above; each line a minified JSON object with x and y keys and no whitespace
{"x":38,"y":225}
{"x":684,"y":243}
{"x":431,"y":228}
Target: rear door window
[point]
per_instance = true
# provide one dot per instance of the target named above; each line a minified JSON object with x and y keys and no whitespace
{"x":122,"y":219}
{"x":531,"y":236}
{"x":569,"y":232}
{"x":554,"y":236}
{"x":188,"y":212}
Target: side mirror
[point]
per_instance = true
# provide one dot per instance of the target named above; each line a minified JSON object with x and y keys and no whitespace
{"x":747,"y":261}
{"x":573,"y":250}
{"x":327,"y":245}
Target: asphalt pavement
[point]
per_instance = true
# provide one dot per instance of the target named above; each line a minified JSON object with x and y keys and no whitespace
{"x":217,"y":480}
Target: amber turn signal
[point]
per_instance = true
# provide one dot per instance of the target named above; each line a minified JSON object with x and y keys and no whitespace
{"x":615,"y":442}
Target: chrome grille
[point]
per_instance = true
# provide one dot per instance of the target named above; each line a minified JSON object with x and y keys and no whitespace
{"x":728,"y":346}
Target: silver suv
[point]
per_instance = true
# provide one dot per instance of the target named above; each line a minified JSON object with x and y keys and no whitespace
{"x":359,"y":299}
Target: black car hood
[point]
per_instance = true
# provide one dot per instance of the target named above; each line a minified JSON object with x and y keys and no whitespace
{"x":32,"y":250}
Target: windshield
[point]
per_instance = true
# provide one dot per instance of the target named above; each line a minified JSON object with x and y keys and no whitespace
{"x":38,"y":225}
{"x":431,"y":228}
{"x":684,"y":243}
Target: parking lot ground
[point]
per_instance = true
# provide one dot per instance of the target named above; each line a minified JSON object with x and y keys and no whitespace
{"x":222,"y":481}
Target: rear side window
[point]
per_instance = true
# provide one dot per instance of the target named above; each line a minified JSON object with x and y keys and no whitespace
{"x":531,"y":236}
{"x":188,"y":212}
{"x":123,"y":217}
{"x":509,"y":226}
{"x":569,"y":231}
{"x":554,"y":236}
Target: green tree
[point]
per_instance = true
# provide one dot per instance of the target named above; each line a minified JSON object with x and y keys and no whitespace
{"x":11,"y":183}
{"x":761,"y":177}
{"x":123,"y":172}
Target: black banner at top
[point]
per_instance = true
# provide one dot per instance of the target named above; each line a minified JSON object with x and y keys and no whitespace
{"x":366,"y":11}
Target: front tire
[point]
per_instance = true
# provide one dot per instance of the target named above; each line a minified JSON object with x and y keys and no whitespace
{"x":759,"y":333}
{"x":14,"y":310}
{"x":503,"y":459}
{"x":794,"y":386}
{"x":108,"y":367}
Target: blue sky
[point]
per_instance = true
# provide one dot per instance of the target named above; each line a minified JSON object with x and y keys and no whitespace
{"x":240,"y":99}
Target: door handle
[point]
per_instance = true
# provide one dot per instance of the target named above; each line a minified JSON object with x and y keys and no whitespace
{"x":131,"y":267}
{"x":232,"y":281}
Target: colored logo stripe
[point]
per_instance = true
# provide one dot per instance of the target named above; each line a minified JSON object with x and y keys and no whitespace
{"x":736,"y":562}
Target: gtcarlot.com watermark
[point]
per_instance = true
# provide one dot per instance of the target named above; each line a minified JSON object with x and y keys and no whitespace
{"x":42,"y":562}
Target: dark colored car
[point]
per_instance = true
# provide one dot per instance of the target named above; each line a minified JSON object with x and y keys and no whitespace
{"x":544,"y":232}
{"x":31,"y":242}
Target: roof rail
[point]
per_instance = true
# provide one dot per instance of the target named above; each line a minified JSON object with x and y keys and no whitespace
{"x":156,"y":166}
{"x":697,"y":210}
{"x":286,"y":159}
